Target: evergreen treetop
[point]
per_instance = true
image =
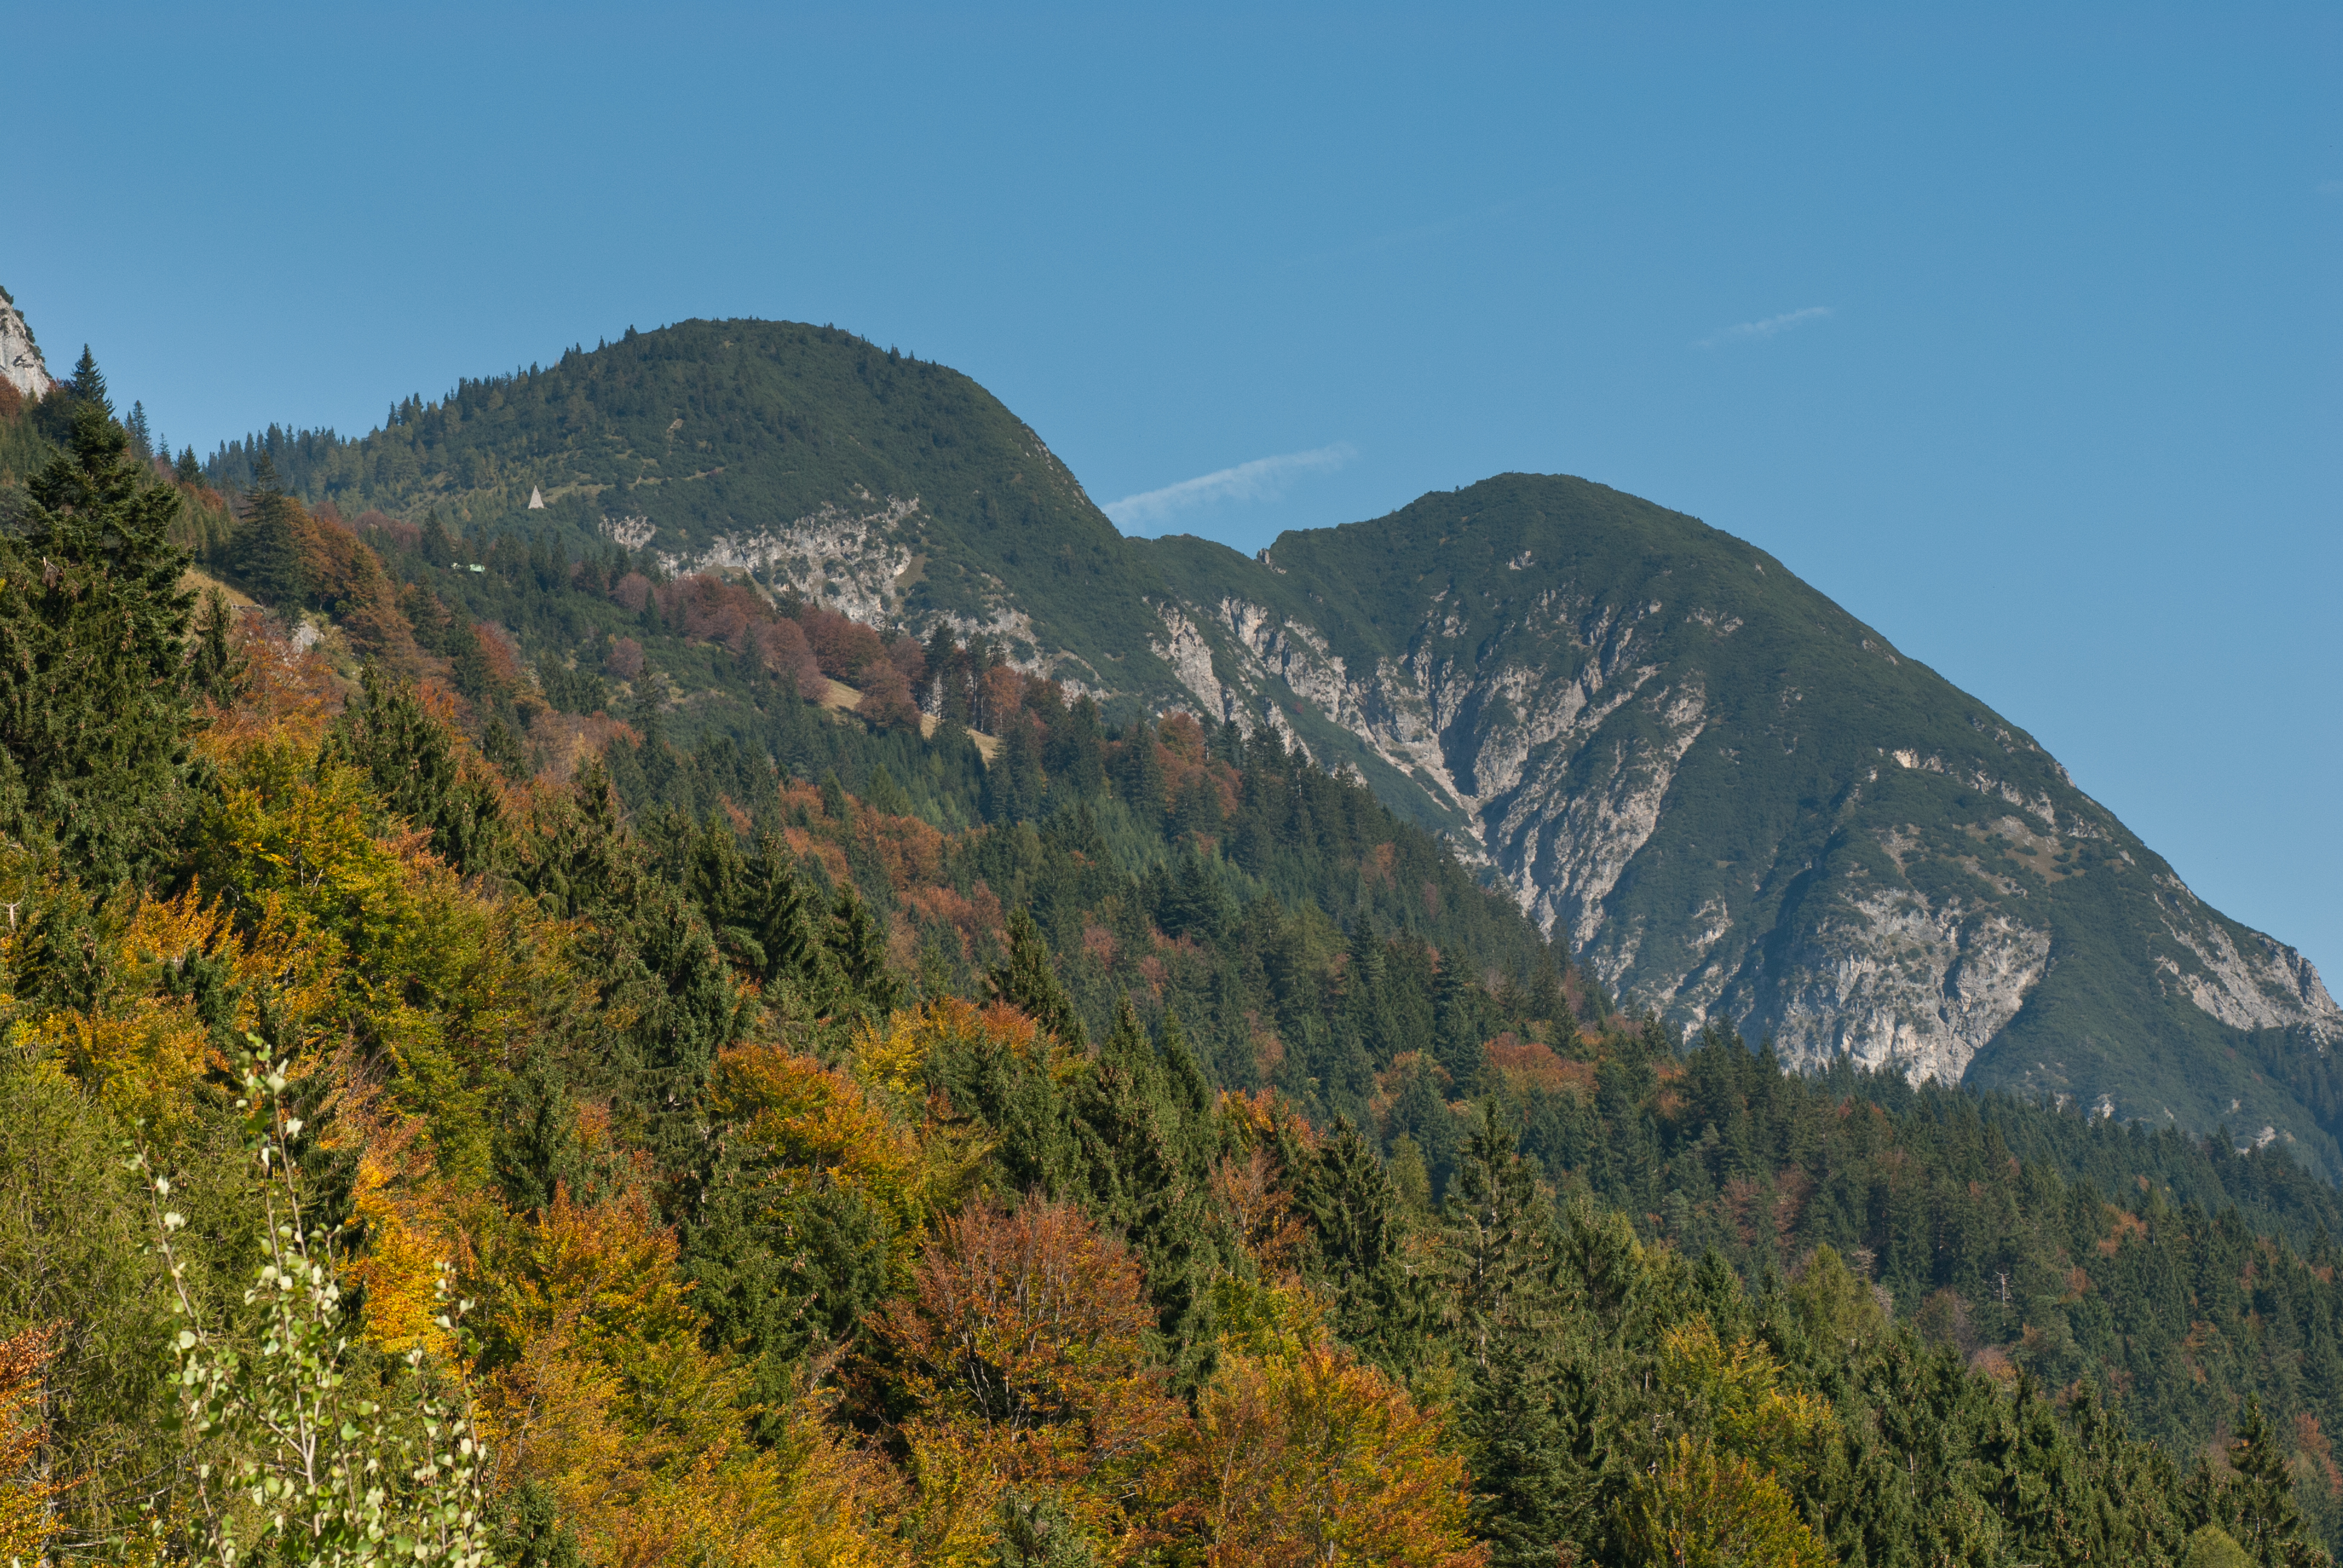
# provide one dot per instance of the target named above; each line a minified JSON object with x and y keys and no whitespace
{"x":97,"y":706}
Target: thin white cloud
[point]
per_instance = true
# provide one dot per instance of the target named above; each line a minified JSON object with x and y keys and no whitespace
{"x":1262,"y":480}
{"x":1771,"y":327}
{"x":1391,"y":239}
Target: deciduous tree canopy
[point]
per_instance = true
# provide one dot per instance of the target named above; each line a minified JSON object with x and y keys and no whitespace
{"x":820,"y":1145}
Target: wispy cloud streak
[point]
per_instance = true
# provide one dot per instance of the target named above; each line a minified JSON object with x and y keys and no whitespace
{"x":1262,"y":480}
{"x":1773,"y":325}
{"x":1392,"y":239}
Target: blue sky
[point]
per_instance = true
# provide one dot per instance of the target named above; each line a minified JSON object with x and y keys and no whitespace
{"x":2018,"y":331}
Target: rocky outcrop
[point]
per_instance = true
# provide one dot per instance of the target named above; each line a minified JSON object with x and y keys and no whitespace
{"x":853,"y":561}
{"x":1576,"y":828}
{"x":860,"y":561}
{"x":1559,"y":798}
{"x":1894,"y":982}
{"x":20,"y":356}
{"x":1184,"y":647}
{"x":2241,"y":977}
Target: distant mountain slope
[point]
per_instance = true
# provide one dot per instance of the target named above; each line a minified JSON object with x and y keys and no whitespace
{"x":894,"y":490}
{"x":1737,"y":802}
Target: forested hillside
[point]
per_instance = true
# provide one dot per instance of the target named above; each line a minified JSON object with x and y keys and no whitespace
{"x":559,"y":1064}
{"x":1736,"y":803}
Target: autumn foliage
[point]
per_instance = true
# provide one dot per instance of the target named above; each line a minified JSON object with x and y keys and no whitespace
{"x":798,"y":1180}
{"x":597,"y":1387}
{"x":1021,"y":1351}
{"x":25,"y":1492}
{"x":1309,"y":1456}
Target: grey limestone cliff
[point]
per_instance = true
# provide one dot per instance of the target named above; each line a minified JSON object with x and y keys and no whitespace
{"x":20,"y":356}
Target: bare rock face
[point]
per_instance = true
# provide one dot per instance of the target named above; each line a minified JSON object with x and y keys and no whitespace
{"x":1892,"y":980}
{"x":850,"y":560}
{"x":860,"y":560}
{"x":2242,"y":977}
{"x":20,"y":356}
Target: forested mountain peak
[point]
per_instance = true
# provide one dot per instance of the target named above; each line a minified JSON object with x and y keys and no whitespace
{"x":800,"y":459}
{"x":1737,"y":802}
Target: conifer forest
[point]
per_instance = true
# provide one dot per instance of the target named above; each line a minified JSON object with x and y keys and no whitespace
{"x":516,"y":1055}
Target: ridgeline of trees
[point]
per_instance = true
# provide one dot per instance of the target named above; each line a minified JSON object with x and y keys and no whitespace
{"x":551,"y":1065}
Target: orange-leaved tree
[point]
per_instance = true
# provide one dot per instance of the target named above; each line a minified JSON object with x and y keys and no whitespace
{"x":24,"y":1489}
{"x":143,"y":1043}
{"x":1022,"y":1360}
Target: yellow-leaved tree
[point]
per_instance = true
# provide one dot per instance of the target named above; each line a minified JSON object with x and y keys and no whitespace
{"x":598,"y":1387}
{"x":1715,"y":1496}
{"x":1301,"y":1453}
{"x":1306,"y":1454}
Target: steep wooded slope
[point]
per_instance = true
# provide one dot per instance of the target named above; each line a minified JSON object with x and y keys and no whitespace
{"x":1738,"y":802}
{"x":726,"y":1191}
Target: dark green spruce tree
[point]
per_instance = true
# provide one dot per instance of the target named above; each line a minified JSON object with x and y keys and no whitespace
{"x":1532,"y":1480}
{"x":420,"y":769}
{"x":1027,"y":981}
{"x":264,"y":551}
{"x":2255,"y":1504}
{"x":1144,"y":1141}
{"x":218,"y":669}
{"x":97,"y":706}
{"x":654,"y":964}
{"x":857,"y":940}
{"x":754,"y":903}
{"x":1015,"y":1093}
{"x":1358,"y":1253}
{"x":88,"y":385}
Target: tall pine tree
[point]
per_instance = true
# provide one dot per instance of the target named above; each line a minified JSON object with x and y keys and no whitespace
{"x":1532,"y":1480}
